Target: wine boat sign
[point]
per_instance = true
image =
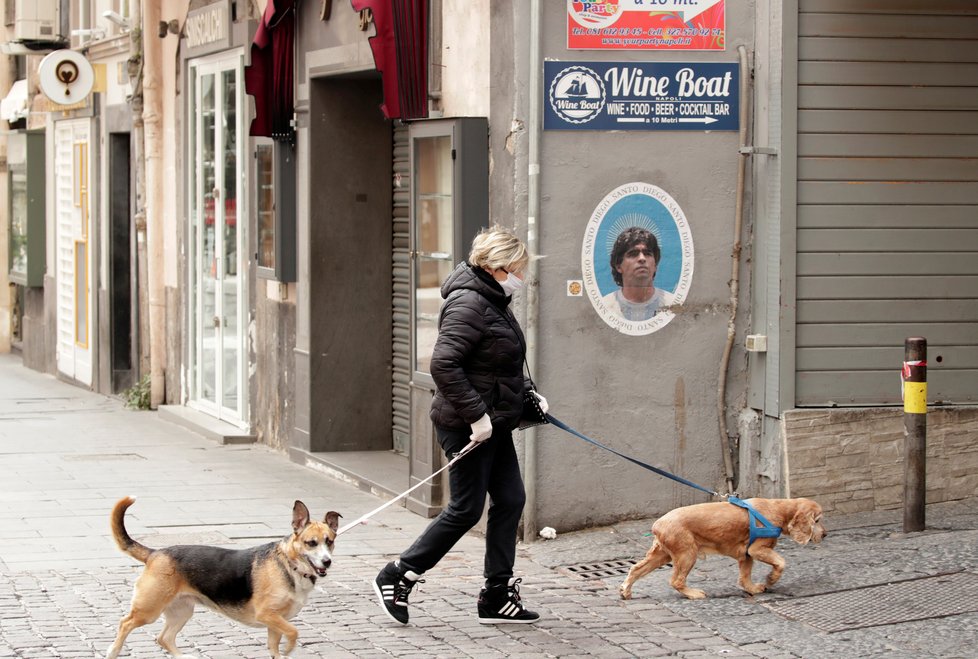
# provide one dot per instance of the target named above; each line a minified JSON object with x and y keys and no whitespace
{"x":641,"y":96}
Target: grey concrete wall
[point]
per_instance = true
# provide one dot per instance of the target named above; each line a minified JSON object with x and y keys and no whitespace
{"x":851,"y":460}
{"x":335,"y":45}
{"x":651,"y":396}
{"x":39,"y":328}
{"x":176,"y":331}
{"x":274,"y":382}
{"x":103,"y":367}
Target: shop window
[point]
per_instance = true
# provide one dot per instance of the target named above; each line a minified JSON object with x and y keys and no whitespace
{"x":275,"y":204}
{"x":25,"y":157}
{"x":449,"y":205}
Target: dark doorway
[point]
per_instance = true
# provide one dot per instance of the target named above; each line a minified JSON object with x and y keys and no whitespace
{"x":350,"y":270}
{"x":120,"y":260}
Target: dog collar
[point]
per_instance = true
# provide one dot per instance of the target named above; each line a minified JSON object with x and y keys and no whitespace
{"x":766,"y":528}
{"x":310,"y":577}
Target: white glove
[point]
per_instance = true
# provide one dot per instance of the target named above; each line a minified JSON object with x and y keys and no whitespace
{"x":544,"y":406}
{"x":481,"y":429}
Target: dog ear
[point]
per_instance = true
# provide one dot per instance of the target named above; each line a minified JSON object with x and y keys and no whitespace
{"x":333,"y":520}
{"x":801,"y":526}
{"x":300,"y":516}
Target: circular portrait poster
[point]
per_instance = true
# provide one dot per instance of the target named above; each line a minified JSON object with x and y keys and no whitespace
{"x":637,"y":258}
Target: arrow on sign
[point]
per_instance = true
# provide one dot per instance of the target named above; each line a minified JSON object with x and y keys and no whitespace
{"x":690,"y":9}
{"x":698,"y":120}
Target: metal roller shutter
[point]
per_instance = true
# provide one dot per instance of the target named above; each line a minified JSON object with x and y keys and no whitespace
{"x":887,"y":217}
{"x":401,"y":298}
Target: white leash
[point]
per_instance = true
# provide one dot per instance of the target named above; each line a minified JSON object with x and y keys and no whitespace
{"x":363,"y":518}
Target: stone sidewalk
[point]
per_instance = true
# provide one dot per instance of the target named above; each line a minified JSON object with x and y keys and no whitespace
{"x":66,"y":455}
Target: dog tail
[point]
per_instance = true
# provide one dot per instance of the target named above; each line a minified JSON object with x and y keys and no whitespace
{"x":122,"y":540}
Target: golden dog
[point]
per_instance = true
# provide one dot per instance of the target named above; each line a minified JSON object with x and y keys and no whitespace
{"x":684,"y":534}
{"x":263,"y":586}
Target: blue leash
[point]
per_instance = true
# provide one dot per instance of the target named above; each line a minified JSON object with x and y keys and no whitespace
{"x":765,"y":530}
{"x":563,"y":426}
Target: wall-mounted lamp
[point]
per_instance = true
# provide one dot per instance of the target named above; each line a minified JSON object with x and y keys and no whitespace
{"x":121,"y":21}
{"x":171,"y":27}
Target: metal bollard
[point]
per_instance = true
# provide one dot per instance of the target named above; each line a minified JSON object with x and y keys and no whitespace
{"x":915,"y":433}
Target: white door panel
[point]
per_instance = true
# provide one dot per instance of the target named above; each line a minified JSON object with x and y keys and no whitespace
{"x":73,"y":269}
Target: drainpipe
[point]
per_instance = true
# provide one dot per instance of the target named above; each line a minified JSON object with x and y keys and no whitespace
{"x":734,"y":271}
{"x":152,"y":134}
{"x":135,"y":70}
{"x":530,"y":525}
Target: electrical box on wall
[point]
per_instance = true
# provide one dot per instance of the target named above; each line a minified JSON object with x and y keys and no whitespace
{"x":37,"y":21}
{"x":756,"y":343}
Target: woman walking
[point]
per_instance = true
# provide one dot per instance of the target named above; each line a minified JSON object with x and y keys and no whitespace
{"x":477,"y":366}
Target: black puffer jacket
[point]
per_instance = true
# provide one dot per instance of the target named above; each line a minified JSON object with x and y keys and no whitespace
{"x":477,"y":363}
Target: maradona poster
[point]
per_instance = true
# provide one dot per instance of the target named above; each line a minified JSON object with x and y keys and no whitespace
{"x":637,"y":258}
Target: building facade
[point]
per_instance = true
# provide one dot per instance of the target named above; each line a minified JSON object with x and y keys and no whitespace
{"x":272,"y":194}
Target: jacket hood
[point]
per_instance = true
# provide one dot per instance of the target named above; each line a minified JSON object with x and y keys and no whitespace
{"x":466,"y":276}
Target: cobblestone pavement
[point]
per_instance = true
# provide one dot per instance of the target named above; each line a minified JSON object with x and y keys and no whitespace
{"x":66,"y":455}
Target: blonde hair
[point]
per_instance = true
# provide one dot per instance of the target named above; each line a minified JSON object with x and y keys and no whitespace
{"x":498,"y":248}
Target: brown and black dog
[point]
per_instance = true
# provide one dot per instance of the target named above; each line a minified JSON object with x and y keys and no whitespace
{"x":684,"y":534}
{"x":263,"y":586}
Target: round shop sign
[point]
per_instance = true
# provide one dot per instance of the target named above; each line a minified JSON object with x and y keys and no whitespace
{"x":65,"y":76}
{"x":637,"y":258}
{"x":577,"y":94}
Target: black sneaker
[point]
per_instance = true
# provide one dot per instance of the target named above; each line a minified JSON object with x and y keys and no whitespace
{"x":393,"y":585}
{"x":500,"y":604}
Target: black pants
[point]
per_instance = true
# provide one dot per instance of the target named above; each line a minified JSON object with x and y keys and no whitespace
{"x":491,"y":469}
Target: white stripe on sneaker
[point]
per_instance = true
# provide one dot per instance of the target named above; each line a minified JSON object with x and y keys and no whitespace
{"x":388,"y":594}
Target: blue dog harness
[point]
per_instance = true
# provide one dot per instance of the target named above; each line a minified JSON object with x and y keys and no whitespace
{"x":766,"y":528}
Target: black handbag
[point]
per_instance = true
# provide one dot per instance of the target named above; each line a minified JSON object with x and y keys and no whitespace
{"x":532,"y":412}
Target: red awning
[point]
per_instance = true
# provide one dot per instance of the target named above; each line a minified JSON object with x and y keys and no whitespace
{"x":400,"y":50}
{"x":269,"y":77}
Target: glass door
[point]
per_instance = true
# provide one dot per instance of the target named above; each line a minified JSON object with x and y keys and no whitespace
{"x":449,"y":205}
{"x":434,"y":238}
{"x":449,"y":195}
{"x":217,"y":276}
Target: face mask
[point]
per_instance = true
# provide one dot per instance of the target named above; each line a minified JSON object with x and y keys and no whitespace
{"x":511,"y":284}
